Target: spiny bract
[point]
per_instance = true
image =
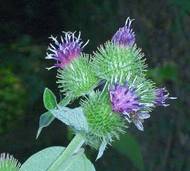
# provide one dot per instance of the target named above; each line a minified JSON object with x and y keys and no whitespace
{"x":77,"y":79}
{"x":103,"y":123}
{"x":111,"y":59}
{"x":8,"y":163}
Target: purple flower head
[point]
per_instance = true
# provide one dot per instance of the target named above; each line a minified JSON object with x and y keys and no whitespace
{"x":125,"y":35}
{"x":126,"y":101}
{"x":123,"y":99}
{"x":66,"y":51}
{"x":162,"y":95}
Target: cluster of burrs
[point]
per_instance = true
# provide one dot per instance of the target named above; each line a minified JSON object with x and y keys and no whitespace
{"x":120,"y":63}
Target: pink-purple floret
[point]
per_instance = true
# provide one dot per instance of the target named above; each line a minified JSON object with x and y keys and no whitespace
{"x":125,"y":36}
{"x":66,"y":51}
{"x":123,"y":99}
{"x":162,"y":95}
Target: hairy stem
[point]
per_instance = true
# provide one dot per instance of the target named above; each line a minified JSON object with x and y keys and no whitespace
{"x":73,"y":147}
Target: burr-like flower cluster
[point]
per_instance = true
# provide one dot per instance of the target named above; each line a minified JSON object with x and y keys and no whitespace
{"x":119,"y":66}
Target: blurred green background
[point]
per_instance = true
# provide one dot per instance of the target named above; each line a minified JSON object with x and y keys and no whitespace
{"x":162,"y":31}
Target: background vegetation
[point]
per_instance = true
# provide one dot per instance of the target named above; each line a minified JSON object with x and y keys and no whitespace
{"x":162,"y":31}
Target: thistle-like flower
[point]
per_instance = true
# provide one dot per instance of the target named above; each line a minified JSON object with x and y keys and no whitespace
{"x":102,"y":125}
{"x":125,"y":35}
{"x":66,"y":51}
{"x":111,"y":59}
{"x":162,"y":95}
{"x":127,"y":100}
{"x":8,"y":163}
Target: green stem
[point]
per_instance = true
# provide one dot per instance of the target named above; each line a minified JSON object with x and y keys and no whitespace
{"x":73,"y":147}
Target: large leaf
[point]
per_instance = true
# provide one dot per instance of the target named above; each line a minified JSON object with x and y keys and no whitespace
{"x":45,"y":120}
{"x":78,"y":161}
{"x":49,"y":98}
{"x":42,"y":160}
{"x":71,"y":117}
{"x":129,"y":147}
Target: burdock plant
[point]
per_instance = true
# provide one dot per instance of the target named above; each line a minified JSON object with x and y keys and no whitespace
{"x":8,"y":163}
{"x":115,"y":93}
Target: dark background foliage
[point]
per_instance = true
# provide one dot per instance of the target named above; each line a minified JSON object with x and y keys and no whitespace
{"x":162,"y":31}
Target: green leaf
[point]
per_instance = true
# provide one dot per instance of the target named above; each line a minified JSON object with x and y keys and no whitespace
{"x":45,"y":120}
{"x":42,"y":160}
{"x":49,"y":98}
{"x":101,"y":149}
{"x":72,"y":117}
{"x":129,"y":147}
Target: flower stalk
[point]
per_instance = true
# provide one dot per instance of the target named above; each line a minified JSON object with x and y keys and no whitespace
{"x":72,"y":148}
